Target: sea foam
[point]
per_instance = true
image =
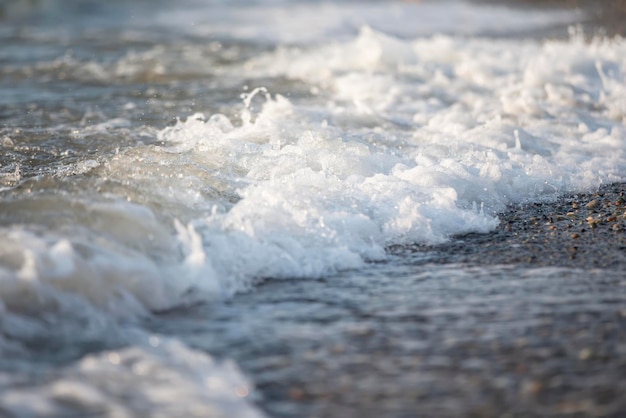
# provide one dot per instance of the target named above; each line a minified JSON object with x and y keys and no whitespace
{"x":399,"y":142}
{"x":163,"y":376}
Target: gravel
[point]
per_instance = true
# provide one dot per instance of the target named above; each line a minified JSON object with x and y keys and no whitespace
{"x":578,"y":231}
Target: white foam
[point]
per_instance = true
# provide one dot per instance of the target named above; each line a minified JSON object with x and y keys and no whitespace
{"x":401,"y":141}
{"x":164,"y":377}
{"x":404,"y":141}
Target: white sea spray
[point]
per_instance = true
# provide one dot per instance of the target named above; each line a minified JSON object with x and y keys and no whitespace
{"x":402,"y":141}
{"x":165,"y":378}
{"x":361,"y":126}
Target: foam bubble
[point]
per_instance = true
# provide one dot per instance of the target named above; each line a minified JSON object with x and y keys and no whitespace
{"x":165,"y":379}
{"x":404,"y":141}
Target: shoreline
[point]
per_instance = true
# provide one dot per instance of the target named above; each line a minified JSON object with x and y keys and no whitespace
{"x":475,"y":327}
{"x":576,"y":231}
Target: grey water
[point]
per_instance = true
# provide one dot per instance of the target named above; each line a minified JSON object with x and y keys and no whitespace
{"x":106,"y":308}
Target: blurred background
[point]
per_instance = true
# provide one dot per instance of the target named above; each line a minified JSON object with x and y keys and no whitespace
{"x":609,"y":15}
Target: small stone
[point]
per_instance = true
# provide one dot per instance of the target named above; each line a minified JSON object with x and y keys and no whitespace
{"x":531,"y":388}
{"x":570,"y":214}
{"x":575,"y":205}
{"x":575,"y":236}
{"x":7,"y":142}
{"x":592,"y":222}
{"x":296,"y":394}
{"x":584,"y":354}
{"x":338,"y":349}
{"x":594,"y":203}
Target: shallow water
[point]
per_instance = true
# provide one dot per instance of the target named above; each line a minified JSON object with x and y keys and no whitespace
{"x":191,"y":189}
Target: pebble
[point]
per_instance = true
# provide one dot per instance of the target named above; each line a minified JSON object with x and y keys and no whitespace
{"x":594,"y":203}
{"x":296,"y":394}
{"x":584,"y":354}
{"x":7,"y":142}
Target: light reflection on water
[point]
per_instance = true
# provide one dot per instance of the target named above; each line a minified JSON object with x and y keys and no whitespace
{"x":449,"y":340}
{"x":128,"y":220}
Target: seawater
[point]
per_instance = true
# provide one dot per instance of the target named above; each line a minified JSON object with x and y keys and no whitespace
{"x":159,"y":157}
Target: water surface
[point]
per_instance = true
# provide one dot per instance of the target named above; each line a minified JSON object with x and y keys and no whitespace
{"x":190,"y":190}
